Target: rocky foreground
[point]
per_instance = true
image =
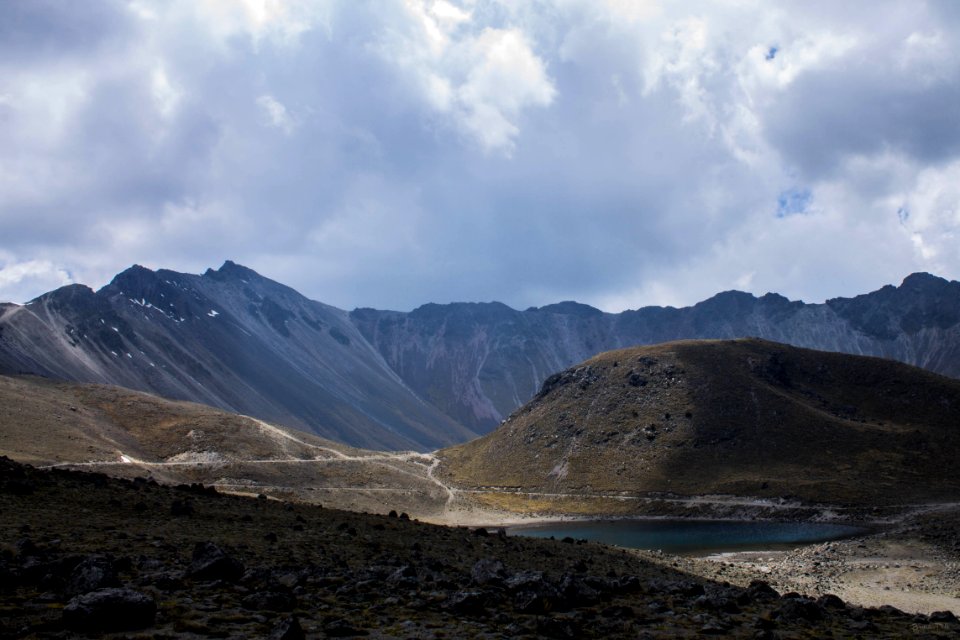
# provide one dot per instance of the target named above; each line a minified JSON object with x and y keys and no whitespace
{"x":86,"y":554}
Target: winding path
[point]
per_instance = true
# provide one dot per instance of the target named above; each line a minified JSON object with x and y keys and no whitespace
{"x":424,"y":464}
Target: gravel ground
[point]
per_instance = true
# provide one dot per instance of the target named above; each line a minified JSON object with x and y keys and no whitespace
{"x":83,"y":554}
{"x":914,"y":565}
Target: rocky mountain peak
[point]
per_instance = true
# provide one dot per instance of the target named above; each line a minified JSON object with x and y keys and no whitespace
{"x":922,"y":282}
{"x":132,"y":281}
{"x":230,"y":270}
{"x":570,"y":308}
{"x":65,"y":294}
{"x":728,"y":302}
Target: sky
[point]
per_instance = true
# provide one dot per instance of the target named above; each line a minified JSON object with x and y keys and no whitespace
{"x":389,"y":153}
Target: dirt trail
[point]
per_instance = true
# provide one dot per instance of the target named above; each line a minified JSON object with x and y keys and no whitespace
{"x":420,"y":466}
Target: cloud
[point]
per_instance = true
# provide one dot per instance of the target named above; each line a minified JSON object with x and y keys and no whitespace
{"x":481,"y":78}
{"x":398,"y":152}
{"x":935,"y":227}
{"x":21,"y":279}
{"x":276,"y":113}
{"x":505,"y":78}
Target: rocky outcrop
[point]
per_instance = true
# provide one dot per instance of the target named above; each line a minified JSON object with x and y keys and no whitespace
{"x":110,"y":610}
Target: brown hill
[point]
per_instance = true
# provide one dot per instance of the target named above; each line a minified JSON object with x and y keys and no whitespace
{"x":742,"y":417}
{"x":128,"y":434}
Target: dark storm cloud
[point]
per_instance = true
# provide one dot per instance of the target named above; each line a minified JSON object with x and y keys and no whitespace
{"x":862,"y":109}
{"x":43,"y":30}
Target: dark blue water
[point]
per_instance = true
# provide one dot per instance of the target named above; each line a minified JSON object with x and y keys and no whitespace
{"x":692,"y":536}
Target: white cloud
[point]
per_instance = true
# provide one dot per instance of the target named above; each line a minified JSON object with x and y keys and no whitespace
{"x":684,"y":59}
{"x":447,"y":15}
{"x":19,"y":280}
{"x":165,"y":94}
{"x":280,"y":21}
{"x":933,"y":217}
{"x":506,"y":78}
{"x":483,"y":79}
{"x":277,"y":114}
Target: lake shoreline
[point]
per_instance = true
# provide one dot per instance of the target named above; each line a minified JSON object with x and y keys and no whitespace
{"x":909,"y":559}
{"x":694,"y":537}
{"x":913,"y":566}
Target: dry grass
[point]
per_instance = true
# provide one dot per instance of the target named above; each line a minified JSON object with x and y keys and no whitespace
{"x":743,"y":417}
{"x":45,"y":422}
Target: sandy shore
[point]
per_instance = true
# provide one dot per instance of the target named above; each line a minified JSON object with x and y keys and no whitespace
{"x":912,"y":564}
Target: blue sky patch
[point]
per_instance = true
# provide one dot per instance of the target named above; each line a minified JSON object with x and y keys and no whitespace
{"x":772,"y":53}
{"x":793,"y":201}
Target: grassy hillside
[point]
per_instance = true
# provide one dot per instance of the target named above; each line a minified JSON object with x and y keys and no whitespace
{"x":47,"y":422}
{"x":744,"y":417}
{"x":128,"y":433}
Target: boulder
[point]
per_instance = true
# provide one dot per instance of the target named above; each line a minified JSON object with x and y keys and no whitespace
{"x":288,"y":629}
{"x":470,"y":603}
{"x":943,"y":616}
{"x":91,"y":574}
{"x":210,"y":562}
{"x":110,"y":610}
{"x":269,"y":601}
{"x":488,"y":571}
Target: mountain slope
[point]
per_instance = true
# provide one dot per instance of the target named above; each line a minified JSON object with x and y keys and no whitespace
{"x":47,"y":422}
{"x":229,"y":338}
{"x":744,"y":417}
{"x":479,"y":362}
{"x":129,"y":434}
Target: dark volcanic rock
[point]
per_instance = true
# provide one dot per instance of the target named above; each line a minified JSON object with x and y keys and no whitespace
{"x":269,"y":601}
{"x":759,"y":591}
{"x":210,"y":562}
{"x":343,"y":629}
{"x":470,"y":603}
{"x":110,"y":610}
{"x":181,"y":508}
{"x":488,"y":571}
{"x":92,"y":574}
{"x":830,"y":601}
{"x":288,"y":629}
{"x":943,"y":616}
{"x":799,"y":608}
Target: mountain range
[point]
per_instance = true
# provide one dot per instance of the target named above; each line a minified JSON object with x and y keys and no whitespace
{"x":436,"y":376}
